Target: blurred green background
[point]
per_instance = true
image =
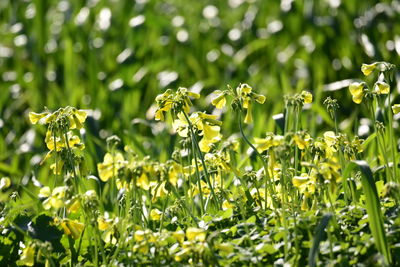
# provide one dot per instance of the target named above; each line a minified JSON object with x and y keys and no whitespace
{"x":113,"y":57}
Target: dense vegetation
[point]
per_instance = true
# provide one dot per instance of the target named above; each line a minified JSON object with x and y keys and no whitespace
{"x":199,"y":133}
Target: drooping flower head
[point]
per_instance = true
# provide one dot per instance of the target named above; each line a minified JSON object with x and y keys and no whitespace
{"x":174,"y":101}
{"x":247,"y":96}
{"x":357,"y":91}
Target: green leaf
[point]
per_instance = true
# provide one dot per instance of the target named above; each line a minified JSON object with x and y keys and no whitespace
{"x":367,"y":141}
{"x":43,"y":229}
{"x":373,"y":206}
{"x":319,"y":236}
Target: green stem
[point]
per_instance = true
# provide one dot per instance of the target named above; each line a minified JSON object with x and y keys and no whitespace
{"x":267,"y":179}
{"x":392,"y":140}
{"x":296,"y":149}
{"x":342,"y":164}
{"x":198,"y":177}
{"x":162,"y":215}
{"x":216,"y":201}
{"x":71,"y":160}
{"x":74,"y":256}
{"x":55,"y":158}
{"x":379,"y":144}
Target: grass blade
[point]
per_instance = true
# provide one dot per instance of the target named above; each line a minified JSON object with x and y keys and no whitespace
{"x":319,"y":236}
{"x":373,"y":206}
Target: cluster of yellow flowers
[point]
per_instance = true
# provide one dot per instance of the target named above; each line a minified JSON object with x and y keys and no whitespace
{"x":243,"y":98}
{"x":206,"y":125}
{"x":59,"y":137}
{"x":175,"y":102}
{"x":359,"y":90}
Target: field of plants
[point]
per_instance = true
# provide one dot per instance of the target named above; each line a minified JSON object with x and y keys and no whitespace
{"x":199,"y":133}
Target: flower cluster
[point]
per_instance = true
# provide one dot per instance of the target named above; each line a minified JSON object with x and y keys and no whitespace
{"x":59,"y":136}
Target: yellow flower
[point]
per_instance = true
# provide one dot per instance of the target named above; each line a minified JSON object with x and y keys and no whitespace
{"x":143,"y":181}
{"x":219,"y":101}
{"x":249,"y":115}
{"x":302,"y":141}
{"x":307,"y":97}
{"x":157,"y":190}
{"x":75,"y":206}
{"x":357,"y":91}
{"x":179,"y":236}
{"x":195,"y":234}
{"x":164,"y":102}
{"x":246,"y":95}
{"x":396,"y":108}
{"x":36,"y":117}
{"x":104,"y":224}
{"x":110,"y":166}
{"x":181,"y":125}
{"x":174,"y":171}
{"x":54,"y":199}
{"x":382,"y":88}
{"x":243,"y":89}
{"x":305,"y":183}
{"x":367,"y":69}
{"x":73,"y":141}
{"x":259,"y":98}
{"x":73,"y":228}
{"x":227,"y":205}
{"x":155,"y":214}
{"x":5,"y":183}
{"x":271,"y":140}
{"x":77,"y":118}
{"x":27,"y":257}
{"x":139,"y":235}
{"x":208,"y":125}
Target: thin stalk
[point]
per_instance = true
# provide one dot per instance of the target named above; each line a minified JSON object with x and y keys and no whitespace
{"x":207,"y":175}
{"x":379,"y":144}
{"x":296,"y":149}
{"x":162,"y":215}
{"x":267,"y":179}
{"x":392,"y":140}
{"x":342,"y":163}
{"x":74,"y":256}
{"x":114,"y":195}
{"x":70,"y":157}
{"x":198,"y":177}
{"x":55,"y":158}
